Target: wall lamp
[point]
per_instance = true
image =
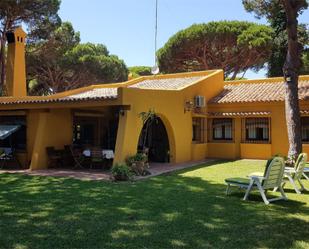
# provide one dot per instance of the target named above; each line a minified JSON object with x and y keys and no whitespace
{"x":189,"y":106}
{"x":122,"y":112}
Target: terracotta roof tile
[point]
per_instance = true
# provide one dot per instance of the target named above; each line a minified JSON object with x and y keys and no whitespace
{"x":241,"y":114}
{"x":97,"y":93}
{"x":257,"y":92}
{"x":166,"y":84}
{"x":94,"y":94}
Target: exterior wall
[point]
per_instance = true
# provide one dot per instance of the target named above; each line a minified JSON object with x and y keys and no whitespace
{"x":255,"y":151}
{"x":198,"y":151}
{"x":222,"y":150}
{"x":278,"y":131}
{"x":53,"y":128}
{"x":169,"y":105}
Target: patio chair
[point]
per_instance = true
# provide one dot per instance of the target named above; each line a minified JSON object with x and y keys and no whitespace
{"x":271,"y":179}
{"x":8,"y":155}
{"x":96,"y":157}
{"x":54,"y":157}
{"x":78,"y":158}
{"x":294,"y":174}
{"x":306,"y":170}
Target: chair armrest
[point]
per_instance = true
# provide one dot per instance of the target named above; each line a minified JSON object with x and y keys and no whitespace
{"x":255,"y":177}
{"x":289,"y":170}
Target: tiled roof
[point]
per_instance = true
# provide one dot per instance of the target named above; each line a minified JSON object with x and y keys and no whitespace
{"x":94,"y":94}
{"x":258,"y":92}
{"x":242,"y":114}
{"x":97,"y":93}
{"x":166,"y":84}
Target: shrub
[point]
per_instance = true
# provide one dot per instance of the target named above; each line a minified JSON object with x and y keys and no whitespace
{"x":138,"y":164}
{"x":121,"y":172}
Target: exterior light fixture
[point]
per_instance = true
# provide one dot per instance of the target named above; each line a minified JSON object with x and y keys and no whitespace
{"x":189,"y":106}
{"x":121,"y":112}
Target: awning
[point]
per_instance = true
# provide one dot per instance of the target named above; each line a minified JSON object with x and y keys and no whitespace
{"x":7,"y":130}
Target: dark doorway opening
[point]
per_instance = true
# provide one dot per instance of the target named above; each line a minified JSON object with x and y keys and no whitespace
{"x":154,"y":137}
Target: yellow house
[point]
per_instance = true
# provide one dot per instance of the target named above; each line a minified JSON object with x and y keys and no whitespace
{"x":199,"y":115}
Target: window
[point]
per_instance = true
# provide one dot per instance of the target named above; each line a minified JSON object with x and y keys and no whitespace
{"x":222,"y":129}
{"x":256,"y":130}
{"x":18,"y":140}
{"x":305,"y":129}
{"x":198,"y":130}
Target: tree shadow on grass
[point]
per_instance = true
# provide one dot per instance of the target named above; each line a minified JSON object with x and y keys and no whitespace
{"x":172,"y":211}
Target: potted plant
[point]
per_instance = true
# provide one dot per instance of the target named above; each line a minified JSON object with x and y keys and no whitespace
{"x":121,"y":172}
{"x":138,"y":163}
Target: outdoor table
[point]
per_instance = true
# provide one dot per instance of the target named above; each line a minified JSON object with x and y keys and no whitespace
{"x":108,"y":154}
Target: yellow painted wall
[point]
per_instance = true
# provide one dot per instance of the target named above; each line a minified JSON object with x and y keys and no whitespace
{"x":16,"y":67}
{"x":198,"y":151}
{"x":255,"y":151}
{"x":169,"y":106}
{"x":53,"y":128}
{"x":222,"y":150}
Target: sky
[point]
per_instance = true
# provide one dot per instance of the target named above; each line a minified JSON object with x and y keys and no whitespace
{"x":126,"y":27}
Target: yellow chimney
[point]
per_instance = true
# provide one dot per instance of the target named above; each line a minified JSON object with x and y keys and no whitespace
{"x":15,"y":84}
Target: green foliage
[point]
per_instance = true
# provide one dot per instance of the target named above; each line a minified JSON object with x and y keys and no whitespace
{"x":138,"y":71}
{"x":138,"y":164}
{"x":274,"y":12}
{"x":149,"y":115}
{"x":235,"y":46}
{"x":40,"y":16}
{"x":305,"y":59}
{"x":138,"y":157}
{"x":121,"y":172}
{"x":62,"y":63}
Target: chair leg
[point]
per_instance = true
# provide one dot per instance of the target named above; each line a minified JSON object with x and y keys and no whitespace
{"x":248,"y":190}
{"x":301,"y":185}
{"x":262,"y":192}
{"x":227,"y":192}
{"x":304,"y":175}
{"x":282,"y":193}
{"x":293,"y":184}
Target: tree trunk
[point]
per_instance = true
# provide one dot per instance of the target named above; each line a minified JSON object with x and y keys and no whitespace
{"x":2,"y":61}
{"x":290,"y":72}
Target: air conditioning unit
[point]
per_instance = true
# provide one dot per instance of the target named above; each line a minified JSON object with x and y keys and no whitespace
{"x":199,"y":101}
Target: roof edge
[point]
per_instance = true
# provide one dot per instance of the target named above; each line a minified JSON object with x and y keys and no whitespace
{"x":262,"y":80}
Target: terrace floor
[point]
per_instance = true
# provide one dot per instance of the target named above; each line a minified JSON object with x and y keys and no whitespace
{"x":94,"y":174}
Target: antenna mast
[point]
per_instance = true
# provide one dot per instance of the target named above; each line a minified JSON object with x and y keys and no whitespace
{"x":155,"y":69}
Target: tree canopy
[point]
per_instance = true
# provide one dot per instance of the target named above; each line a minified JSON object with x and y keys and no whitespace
{"x":40,"y":16}
{"x":234,"y":46}
{"x":274,"y":12}
{"x":138,"y":71}
{"x":62,"y":63}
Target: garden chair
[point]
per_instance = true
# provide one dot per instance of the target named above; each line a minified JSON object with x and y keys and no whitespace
{"x":54,"y":157}
{"x":78,"y":158}
{"x":7,"y":155}
{"x":96,"y":157}
{"x":294,"y":174}
{"x":306,"y":170}
{"x":272,"y":178}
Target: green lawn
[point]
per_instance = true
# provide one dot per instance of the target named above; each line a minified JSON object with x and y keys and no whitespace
{"x":187,"y":209}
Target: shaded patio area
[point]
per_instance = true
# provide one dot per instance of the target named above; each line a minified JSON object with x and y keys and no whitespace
{"x":105,"y":175}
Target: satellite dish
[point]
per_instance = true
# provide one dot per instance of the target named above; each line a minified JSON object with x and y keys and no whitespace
{"x":155,"y":70}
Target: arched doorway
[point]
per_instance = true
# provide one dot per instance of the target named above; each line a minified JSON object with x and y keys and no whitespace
{"x":154,"y":137}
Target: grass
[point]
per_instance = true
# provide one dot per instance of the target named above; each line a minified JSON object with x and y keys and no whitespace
{"x":187,"y":209}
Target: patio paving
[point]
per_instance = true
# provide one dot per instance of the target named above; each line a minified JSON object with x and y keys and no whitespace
{"x":155,"y":169}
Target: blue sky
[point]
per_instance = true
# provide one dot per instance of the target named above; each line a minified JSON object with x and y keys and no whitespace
{"x":126,"y":27}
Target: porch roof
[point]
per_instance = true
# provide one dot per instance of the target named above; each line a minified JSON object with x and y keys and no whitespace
{"x":92,"y":94}
{"x":258,"y":92}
